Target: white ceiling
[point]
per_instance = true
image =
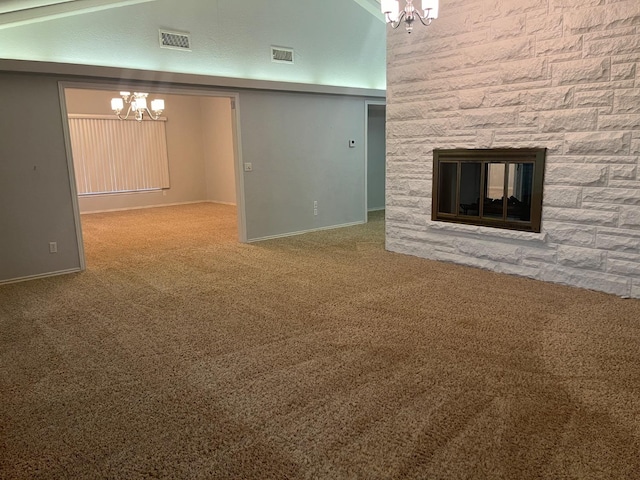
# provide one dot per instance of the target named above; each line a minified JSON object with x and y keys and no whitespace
{"x":371,"y":6}
{"x":336,"y":42}
{"x":15,"y":5}
{"x":37,"y":10}
{"x":22,"y":12}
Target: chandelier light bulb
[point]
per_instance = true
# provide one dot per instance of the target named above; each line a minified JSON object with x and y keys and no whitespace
{"x":157,"y":105}
{"x":141,"y":103}
{"x":430,"y":8}
{"x":391,"y":9}
{"x":117,"y":104}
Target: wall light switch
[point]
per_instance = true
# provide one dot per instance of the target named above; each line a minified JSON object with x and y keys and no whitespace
{"x":248,"y":167}
{"x":352,"y":144}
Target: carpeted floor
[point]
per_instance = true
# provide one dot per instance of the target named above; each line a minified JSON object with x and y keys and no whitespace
{"x":180,"y":353}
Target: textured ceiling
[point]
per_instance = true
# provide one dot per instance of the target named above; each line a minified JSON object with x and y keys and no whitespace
{"x":336,"y":42}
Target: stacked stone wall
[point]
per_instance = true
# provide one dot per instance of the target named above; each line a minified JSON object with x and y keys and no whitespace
{"x":560,"y":74}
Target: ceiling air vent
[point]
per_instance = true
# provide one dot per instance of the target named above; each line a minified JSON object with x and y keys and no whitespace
{"x":281,"y":55}
{"x":175,"y":40}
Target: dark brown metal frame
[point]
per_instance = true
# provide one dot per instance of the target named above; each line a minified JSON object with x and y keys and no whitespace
{"x":507,"y":156}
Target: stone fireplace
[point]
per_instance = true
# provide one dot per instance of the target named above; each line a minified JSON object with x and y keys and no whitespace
{"x":560,"y":75}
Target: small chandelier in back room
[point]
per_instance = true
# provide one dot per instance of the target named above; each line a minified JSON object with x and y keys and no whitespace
{"x":138,"y":105}
{"x":394,"y":16}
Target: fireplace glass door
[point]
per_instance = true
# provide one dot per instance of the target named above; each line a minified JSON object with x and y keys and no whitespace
{"x":497,"y":188}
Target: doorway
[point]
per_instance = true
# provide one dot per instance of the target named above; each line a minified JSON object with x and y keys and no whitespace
{"x":202,"y":151}
{"x":375,"y":155}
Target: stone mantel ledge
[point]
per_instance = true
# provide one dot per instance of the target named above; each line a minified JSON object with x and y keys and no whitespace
{"x":496,"y":233}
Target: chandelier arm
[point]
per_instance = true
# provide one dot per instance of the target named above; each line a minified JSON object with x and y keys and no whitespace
{"x":398,"y":22}
{"x":422,"y":19}
{"x":126,"y":116}
{"x":154,"y":117}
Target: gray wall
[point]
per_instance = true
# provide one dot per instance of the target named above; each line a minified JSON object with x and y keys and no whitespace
{"x":35,"y":192}
{"x":376,"y":157}
{"x":298,"y":145}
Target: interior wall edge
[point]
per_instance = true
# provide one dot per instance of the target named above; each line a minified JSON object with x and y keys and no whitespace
{"x":143,"y":207}
{"x":159,"y":77}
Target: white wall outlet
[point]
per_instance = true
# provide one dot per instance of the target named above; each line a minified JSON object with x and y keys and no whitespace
{"x":248,"y":167}
{"x":352,"y":144}
{"x":53,"y":247}
{"x":315,"y":204}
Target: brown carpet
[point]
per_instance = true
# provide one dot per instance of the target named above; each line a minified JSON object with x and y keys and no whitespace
{"x":180,"y":353}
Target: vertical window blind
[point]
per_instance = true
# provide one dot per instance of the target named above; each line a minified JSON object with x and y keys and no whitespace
{"x":112,"y":155}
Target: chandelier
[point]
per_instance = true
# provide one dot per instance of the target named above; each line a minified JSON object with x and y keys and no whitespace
{"x":138,"y":105}
{"x":394,"y":16}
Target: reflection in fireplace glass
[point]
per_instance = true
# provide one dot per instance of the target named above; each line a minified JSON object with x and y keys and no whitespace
{"x":448,"y":182}
{"x":520,"y":182}
{"x":470,"y":188}
{"x":494,"y":190}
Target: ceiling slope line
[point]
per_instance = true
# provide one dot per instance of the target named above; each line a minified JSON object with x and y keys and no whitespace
{"x":51,"y":11}
{"x":8,"y":6}
{"x":371,"y":6}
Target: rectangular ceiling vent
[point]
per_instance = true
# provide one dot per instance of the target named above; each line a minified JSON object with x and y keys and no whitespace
{"x":175,"y":40}
{"x":281,"y":55}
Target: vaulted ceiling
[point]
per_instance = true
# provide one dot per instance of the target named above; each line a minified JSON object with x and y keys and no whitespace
{"x":335,"y":42}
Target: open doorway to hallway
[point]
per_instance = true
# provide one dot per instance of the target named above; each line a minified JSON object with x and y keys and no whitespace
{"x":194,"y":144}
{"x":376,"y":158}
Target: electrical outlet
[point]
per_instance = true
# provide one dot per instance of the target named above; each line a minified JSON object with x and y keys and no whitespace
{"x":315,"y":211}
{"x":315,"y":204}
{"x":248,"y":167}
{"x":352,"y":144}
{"x":53,"y":247}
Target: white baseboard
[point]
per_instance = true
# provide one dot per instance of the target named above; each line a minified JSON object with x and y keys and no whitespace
{"x":89,"y":212}
{"x":40,"y":275}
{"x":378,"y":209}
{"x":301,"y":232}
